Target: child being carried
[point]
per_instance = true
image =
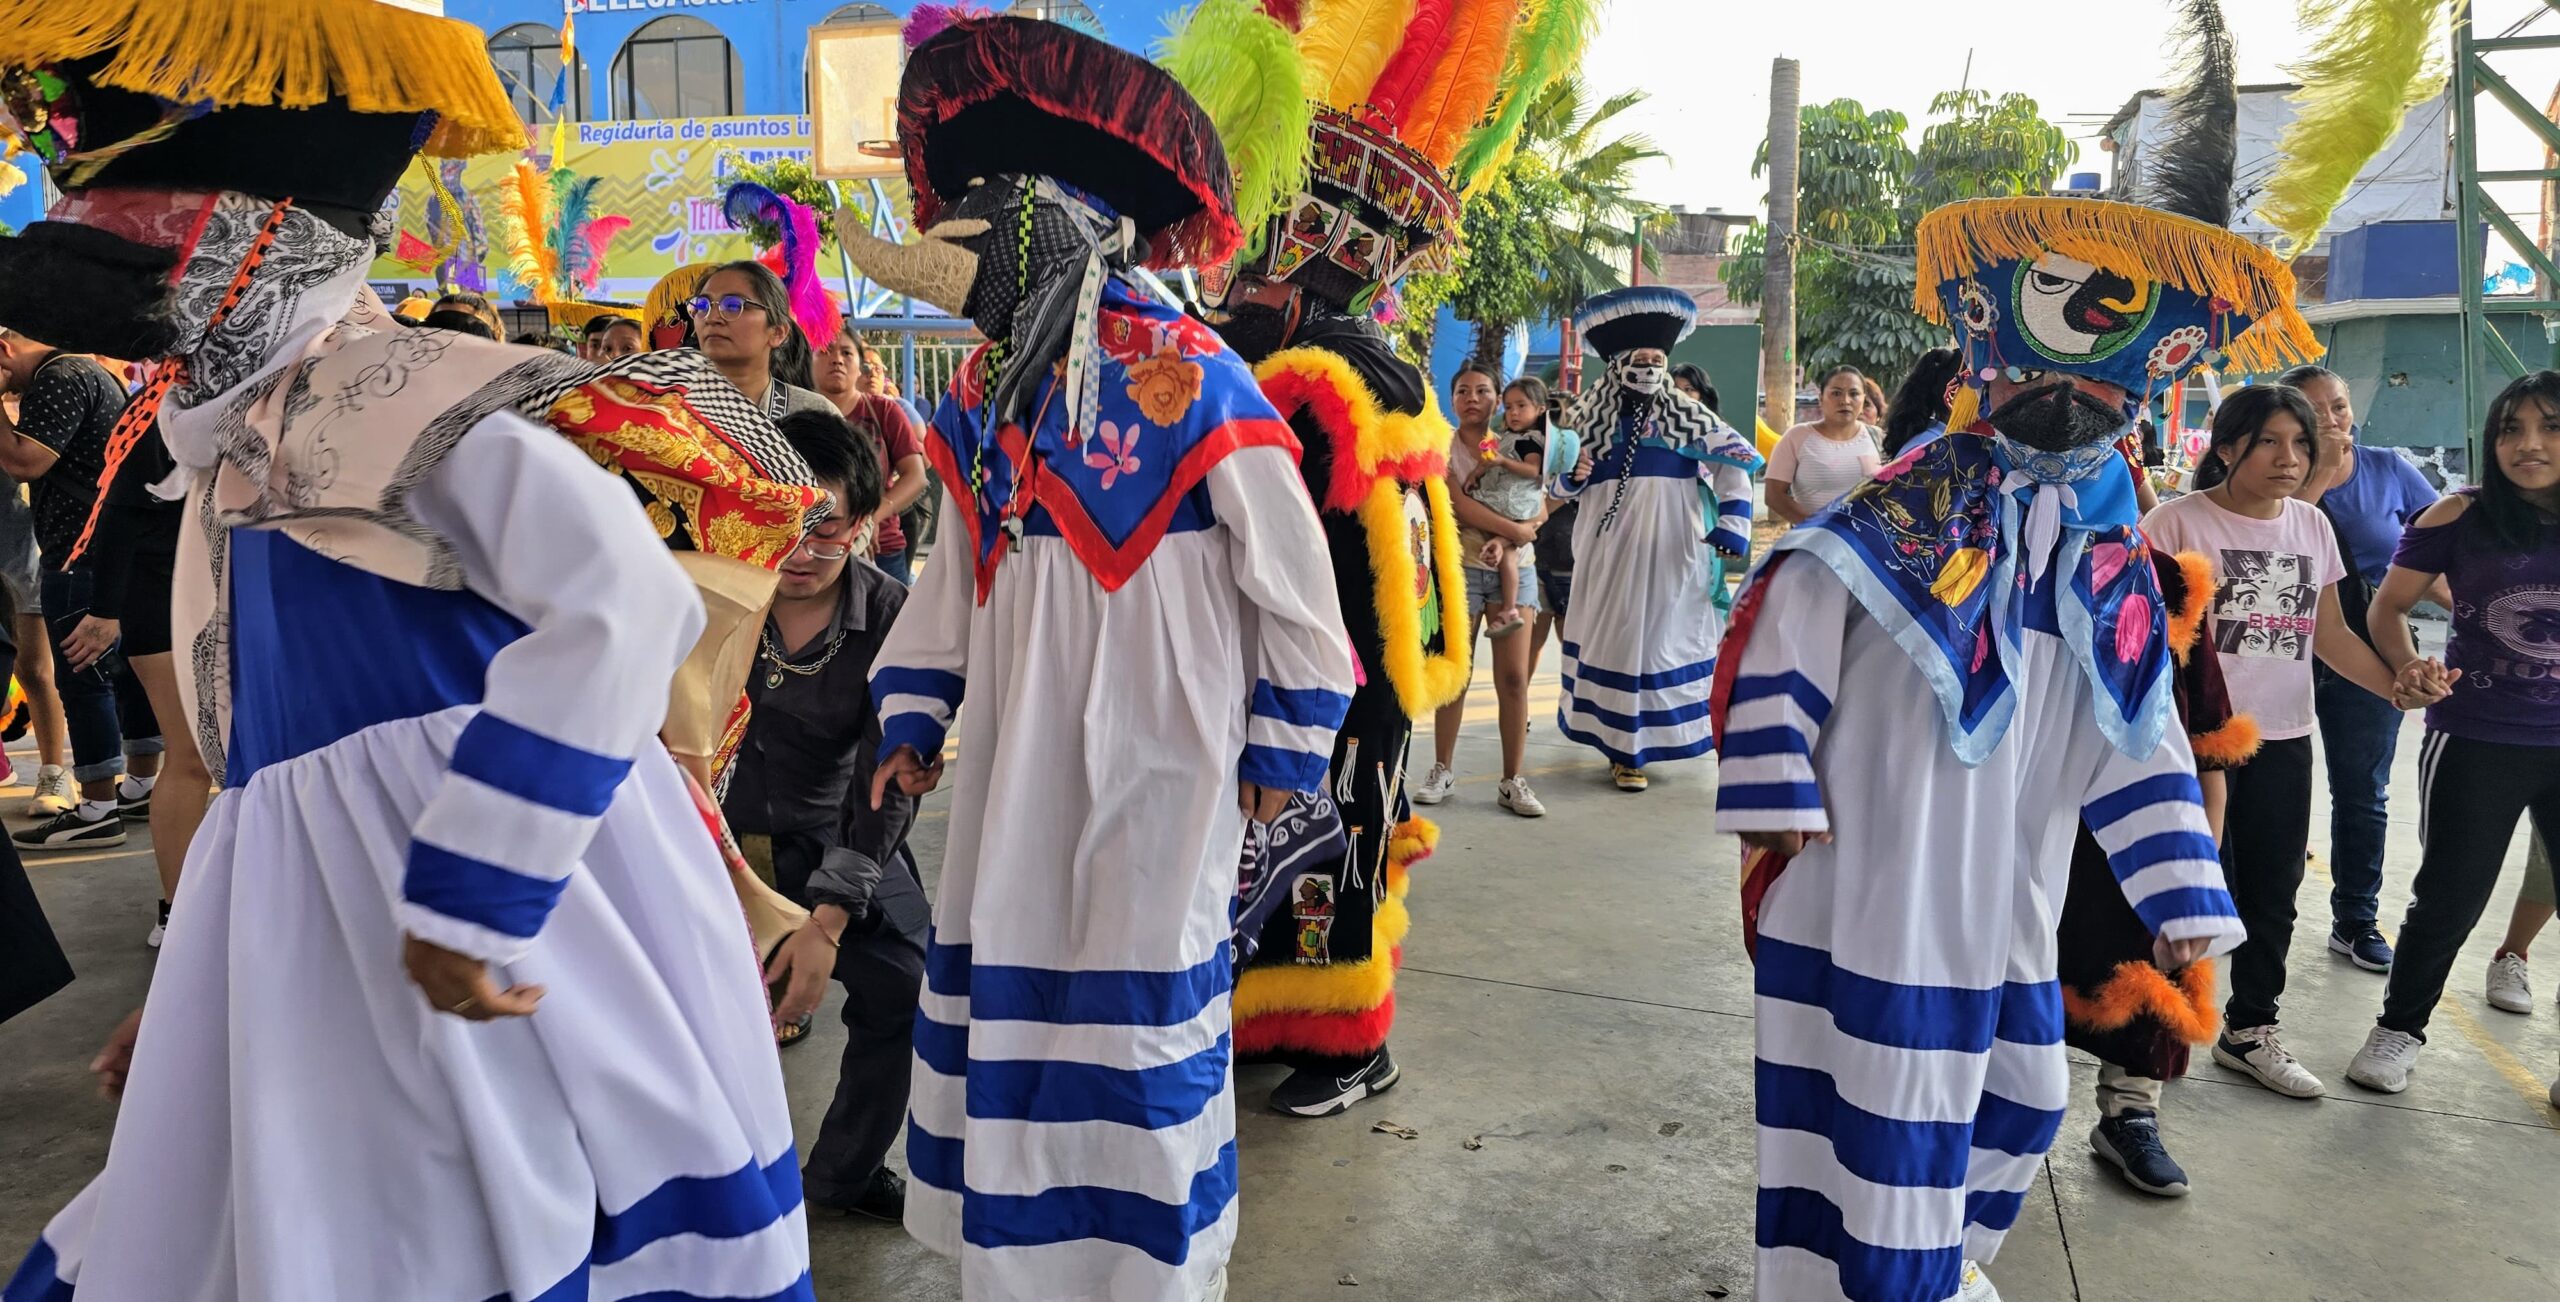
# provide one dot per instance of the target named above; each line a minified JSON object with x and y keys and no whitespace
{"x":1511,"y":482}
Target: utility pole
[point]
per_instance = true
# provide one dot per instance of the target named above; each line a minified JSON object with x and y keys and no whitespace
{"x":1778,"y":283}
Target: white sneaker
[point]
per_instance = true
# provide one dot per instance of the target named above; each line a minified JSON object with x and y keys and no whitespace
{"x":1516,"y":796}
{"x":2510,"y":989}
{"x":1974,"y":1286}
{"x":2256,"y":1052}
{"x":1435,"y":785}
{"x":56,"y":793}
{"x":2385,"y":1060}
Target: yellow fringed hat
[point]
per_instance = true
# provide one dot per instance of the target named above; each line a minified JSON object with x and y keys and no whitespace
{"x":663,"y":314}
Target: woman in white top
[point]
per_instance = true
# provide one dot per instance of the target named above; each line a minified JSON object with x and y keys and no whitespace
{"x":1814,"y":464}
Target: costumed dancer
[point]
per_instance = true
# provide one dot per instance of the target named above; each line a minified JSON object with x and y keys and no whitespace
{"x":1129,"y":607}
{"x":2118,"y":1004}
{"x":429,"y":651}
{"x":1665,"y":493}
{"x":1910,"y":1072}
{"x":1382,"y":200}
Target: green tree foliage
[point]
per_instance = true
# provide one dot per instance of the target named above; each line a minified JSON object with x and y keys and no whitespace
{"x":1863,"y":191}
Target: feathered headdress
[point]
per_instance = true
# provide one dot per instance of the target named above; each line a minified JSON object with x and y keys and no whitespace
{"x":2190,"y":172}
{"x":525,"y":209}
{"x":1242,"y":65}
{"x":795,"y":229}
{"x":2374,"y":60}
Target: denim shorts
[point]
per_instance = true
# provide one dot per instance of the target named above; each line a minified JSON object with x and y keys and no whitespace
{"x":1483,"y":589}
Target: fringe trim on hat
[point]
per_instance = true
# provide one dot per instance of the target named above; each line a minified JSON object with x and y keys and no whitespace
{"x":381,"y":58}
{"x":1242,"y":66}
{"x":1961,"y":238}
{"x":667,"y":298}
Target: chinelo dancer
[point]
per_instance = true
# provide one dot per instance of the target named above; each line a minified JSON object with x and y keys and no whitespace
{"x":1909,"y":1068}
{"x":1390,"y":143}
{"x":1149,"y":659}
{"x":455,"y":917}
{"x":1665,"y":491}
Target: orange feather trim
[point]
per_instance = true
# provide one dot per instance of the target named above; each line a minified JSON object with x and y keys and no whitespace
{"x":1463,"y":86}
{"x":2226,"y":747}
{"x":2187,"y":621}
{"x":2184,"y":1005}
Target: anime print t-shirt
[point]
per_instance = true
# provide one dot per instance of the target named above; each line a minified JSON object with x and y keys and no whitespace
{"x":2269,"y":575}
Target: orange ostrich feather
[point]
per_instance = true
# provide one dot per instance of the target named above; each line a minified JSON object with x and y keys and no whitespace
{"x":1463,"y":86}
{"x":526,"y":204}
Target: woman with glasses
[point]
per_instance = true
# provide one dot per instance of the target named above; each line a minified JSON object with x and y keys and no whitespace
{"x":742,"y":322}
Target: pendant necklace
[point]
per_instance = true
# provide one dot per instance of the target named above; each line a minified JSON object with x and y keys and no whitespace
{"x":773,"y":657}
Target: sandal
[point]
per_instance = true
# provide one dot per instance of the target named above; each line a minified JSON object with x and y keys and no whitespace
{"x":795,"y":1032}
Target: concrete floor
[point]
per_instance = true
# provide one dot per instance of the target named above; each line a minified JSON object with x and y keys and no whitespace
{"x":1576,"y":997}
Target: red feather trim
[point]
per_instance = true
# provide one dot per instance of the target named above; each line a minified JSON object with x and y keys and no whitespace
{"x":1408,"y":71}
{"x":1291,"y":14}
{"x":1335,"y":1035}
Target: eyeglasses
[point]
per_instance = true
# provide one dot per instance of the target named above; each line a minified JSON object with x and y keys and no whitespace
{"x":831,"y":539}
{"x":727,"y":307}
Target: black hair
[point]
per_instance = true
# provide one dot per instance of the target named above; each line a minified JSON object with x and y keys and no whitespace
{"x":1922,"y":399}
{"x":595,"y":325}
{"x":793,"y":362}
{"x":838,"y":452}
{"x":2306,"y":375}
{"x":463,"y":298}
{"x":2241,"y":421}
{"x":458,"y":321}
{"x":1535,"y":390}
{"x":2511,"y":522}
{"x":1835,"y":373}
{"x":1696,"y":375}
{"x":1473,"y":366}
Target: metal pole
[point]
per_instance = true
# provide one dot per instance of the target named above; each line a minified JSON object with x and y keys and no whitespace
{"x":1778,"y":283}
{"x":2468,"y":252}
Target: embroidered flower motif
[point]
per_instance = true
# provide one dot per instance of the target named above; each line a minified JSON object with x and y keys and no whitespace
{"x":1125,"y":337}
{"x":1118,"y":454}
{"x":2106,"y":561}
{"x":2178,"y":351}
{"x":1191,"y":336}
{"x":1164,"y":386}
{"x":1962,"y":572}
{"x":2133,"y":627}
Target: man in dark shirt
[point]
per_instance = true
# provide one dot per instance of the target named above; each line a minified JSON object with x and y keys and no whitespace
{"x":67,"y":408}
{"x":800,"y":800}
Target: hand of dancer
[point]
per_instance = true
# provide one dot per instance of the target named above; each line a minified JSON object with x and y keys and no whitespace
{"x":804,"y":963}
{"x":91,"y":640}
{"x":115,"y":1060}
{"x":1260,"y":803}
{"x":909,"y":771}
{"x":1785,"y":845}
{"x":459,"y":984}
{"x":1582,"y":467}
{"x":2171,"y":955}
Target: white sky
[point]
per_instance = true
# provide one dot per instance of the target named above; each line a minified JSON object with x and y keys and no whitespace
{"x":1706,"y":63}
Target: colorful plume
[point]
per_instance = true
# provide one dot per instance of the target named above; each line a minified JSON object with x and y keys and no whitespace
{"x":748,"y":204}
{"x":1291,"y":14}
{"x":525,"y":208}
{"x":1242,"y":65}
{"x":2373,"y":61}
{"x":1408,"y":72}
{"x":1462,"y":87}
{"x":1347,"y":45}
{"x":928,"y":20}
{"x":1549,"y":47}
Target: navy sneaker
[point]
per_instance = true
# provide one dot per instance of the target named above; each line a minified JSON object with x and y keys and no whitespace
{"x":2363,"y":945}
{"x":2131,"y":1144}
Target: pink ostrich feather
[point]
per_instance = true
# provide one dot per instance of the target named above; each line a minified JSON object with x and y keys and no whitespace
{"x":928,"y":20}
{"x":798,"y":223}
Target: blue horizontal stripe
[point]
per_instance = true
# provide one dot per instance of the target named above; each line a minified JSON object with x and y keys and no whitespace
{"x":1884,"y":1150}
{"x":1282,"y":770}
{"x":1638,"y":758}
{"x":800,"y":1290}
{"x":481,"y":893}
{"x":1793,"y":685}
{"x":941,"y":1046}
{"x":2164,"y":847}
{"x":716,"y":1207}
{"x":1730,"y":542}
{"x":2014,"y":1128}
{"x":1097,"y":998}
{"x":1755,"y":743}
{"x":933,"y":1161}
{"x":1304,"y":707}
{"x":1654,"y":681}
{"x":2108,"y":810}
{"x":1672,"y":716}
{"x":2160,"y":908}
{"x":1993,"y":1211}
{"x":1074,"y":1213}
{"x":1741,"y":506}
{"x":912,"y":730}
{"x":36,"y":1280}
{"x":895,"y":680}
{"x":1803,"y":1218}
{"x":1900,"y":1016}
{"x":525,"y":764}
{"x":1768,"y":795}
{"x":1147,"y":1098}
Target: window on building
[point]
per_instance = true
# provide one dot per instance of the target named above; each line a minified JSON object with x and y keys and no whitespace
{"x":528,"y":57}
{"x":677,"y":68}
{"x":1074,"y":12}
{"x":860,"y":14}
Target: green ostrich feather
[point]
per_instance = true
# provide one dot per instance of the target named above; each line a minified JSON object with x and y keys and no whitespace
{"x":1243,"y":68}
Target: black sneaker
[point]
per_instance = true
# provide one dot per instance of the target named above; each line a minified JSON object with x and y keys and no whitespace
{"x":134,"y":806}
{"x":2131,"y":1144}
{"x":69,"y":831}
{"x":884,"y":1199}
{"x":1312,"y":1093}
{"x":2365,"y":947}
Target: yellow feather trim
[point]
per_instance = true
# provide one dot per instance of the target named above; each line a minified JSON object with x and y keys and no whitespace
{"x":1415,"y":838}
{"x":1346,"y":45}
{"x":1962,"y":238}
{"x":1335,"y":988}
{"x":1378,"y":437}
{"x":382,"y":58}
{"x":2373,"y":61}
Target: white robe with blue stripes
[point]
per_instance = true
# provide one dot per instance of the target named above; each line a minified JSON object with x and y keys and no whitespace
{"x":478,"y":768}
{"x":1072,"y":1133}
{"x":1910,"y":1071}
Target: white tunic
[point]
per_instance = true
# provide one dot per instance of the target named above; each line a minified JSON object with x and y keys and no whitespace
{"x":477,"y":767}
{"x":1072,"y":1136}
{"x":1910,"y":1073}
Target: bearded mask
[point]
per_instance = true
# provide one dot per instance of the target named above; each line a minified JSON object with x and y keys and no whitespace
{"x":2058,"y":413}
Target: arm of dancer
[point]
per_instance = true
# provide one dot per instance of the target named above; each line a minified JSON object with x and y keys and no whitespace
{"x":1766,"y":788}
{"x":1730,"y":531}
{"x":2149,"y":816}
{"x":567,"y":706}
{"x":1301,"y":656}
{"x":916,"y":682}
